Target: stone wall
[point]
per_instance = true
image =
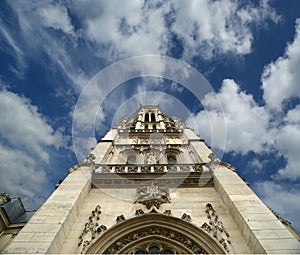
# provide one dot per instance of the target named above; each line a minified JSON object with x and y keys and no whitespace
{"x":262,"y":231}
{"x":189,"y":201}
{"x":51,"y":224}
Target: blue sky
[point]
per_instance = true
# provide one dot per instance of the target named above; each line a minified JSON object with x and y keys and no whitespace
{"x":249,"y":51}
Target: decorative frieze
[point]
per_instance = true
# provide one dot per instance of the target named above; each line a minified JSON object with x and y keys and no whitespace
{"x":155,"y":231}
{"x":215,"y":227}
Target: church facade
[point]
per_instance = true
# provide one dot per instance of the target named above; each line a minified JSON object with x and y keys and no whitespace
{"x":152,"y":186}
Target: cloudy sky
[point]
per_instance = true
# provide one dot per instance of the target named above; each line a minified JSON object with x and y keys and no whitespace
{"x":249,"y":51}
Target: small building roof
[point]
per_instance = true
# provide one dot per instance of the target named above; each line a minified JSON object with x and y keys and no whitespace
{"x":14,"y":210}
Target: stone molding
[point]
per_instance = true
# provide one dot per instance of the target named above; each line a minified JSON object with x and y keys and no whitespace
{"x":92,"y":229}
{"x":171,"y":180}
{"x":147,"y":168}
{"x":216,"y":228}
{"x":125,"y":235}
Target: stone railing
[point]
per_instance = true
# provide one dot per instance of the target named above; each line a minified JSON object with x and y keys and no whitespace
{"x":166,"y":130}
{"x":156,"y":168}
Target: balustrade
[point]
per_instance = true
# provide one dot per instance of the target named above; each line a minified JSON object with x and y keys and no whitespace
{"x":148,"y":168}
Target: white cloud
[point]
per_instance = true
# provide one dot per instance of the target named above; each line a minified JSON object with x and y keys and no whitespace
{"x":62,"y":54}
{"x":26,"y":139}
{"x":56,"y":17}
{"x":22,"y":175}
{"x":206,"y":28}
{"x":250,"y":128}
{"x":105,"y":33}
{"x":284,"y":200}
{"x":22,"y":126}
{"x":288,"y":144}
{"x":134,"y":29}
{"x":10,"y":40}
{"x":62,"y":60}
{"x":11,"y":45}
{"x":210,"y":28}
{"x":259,"y":128}
{"x":247,"y":124}
{"x":255,"y":166}
{"x":280,"y":79}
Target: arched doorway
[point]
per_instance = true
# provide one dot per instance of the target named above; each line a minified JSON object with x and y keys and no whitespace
{"x":155,"y":233}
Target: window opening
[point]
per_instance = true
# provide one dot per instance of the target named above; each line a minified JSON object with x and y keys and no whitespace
{"x":152,"y":117}
{"x":131,"y":159}
{"x":171,"y":159}
{"x":147,"y":117}
{"x":154,"y":250}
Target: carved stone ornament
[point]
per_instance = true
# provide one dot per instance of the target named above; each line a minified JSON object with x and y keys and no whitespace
{"x":123,"y":122}
{"x":90,"y":158}
{"x":120,"y":218}
{"x":186,"y":217}
{"x":139,"y":212}
{"x":215,"y":228}
{"x":92,"y":229}
{"x":152,"y":195}
{"x":151,"y":158}
{"x":155,"y":231}
{"x":214,"y":162}
{"x":178,"y":123}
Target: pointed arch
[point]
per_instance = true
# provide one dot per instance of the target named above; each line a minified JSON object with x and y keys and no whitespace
{"x":165,"y":232}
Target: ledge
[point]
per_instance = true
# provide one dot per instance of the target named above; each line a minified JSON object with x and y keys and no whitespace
{"x":147,"y":168}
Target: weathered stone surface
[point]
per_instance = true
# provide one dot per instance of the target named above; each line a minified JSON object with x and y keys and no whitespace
{"x":225,"y":213}
{"x":258,"y":225}
{"x":48,"y":228}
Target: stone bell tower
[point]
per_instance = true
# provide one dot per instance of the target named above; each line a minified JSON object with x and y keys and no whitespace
{"x":151,"y":185}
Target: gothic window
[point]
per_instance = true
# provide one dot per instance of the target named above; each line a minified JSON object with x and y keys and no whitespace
{"x":154,"y":126}
{"x":152,"y":117}
{"x":146,"y":126}
{"x":171,"y":159}
{"x":131,"y":159}
{"x":147,"y":117}
{"x":155,"y":248}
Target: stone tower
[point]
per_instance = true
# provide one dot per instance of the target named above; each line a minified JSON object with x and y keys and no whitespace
{"x":151,"y":185}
